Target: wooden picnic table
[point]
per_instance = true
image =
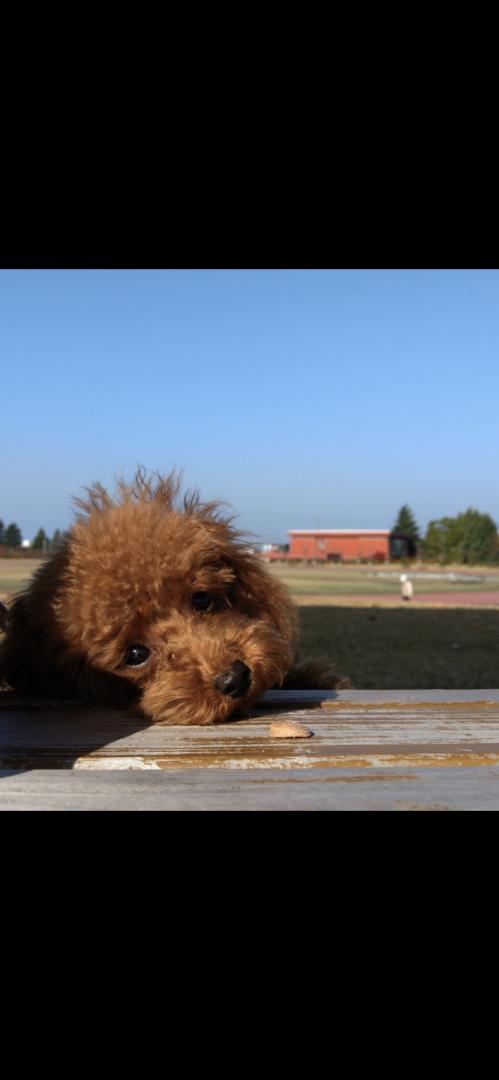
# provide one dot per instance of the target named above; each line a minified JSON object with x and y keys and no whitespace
{"x":370,"y":750}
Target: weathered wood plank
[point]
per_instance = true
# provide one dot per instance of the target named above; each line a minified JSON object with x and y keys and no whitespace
{"x":378,"y":697}
{"x":252,"y":746}
{"x":380,"y":732}
{"x":369,"y":750}
{"x":330,"y":789}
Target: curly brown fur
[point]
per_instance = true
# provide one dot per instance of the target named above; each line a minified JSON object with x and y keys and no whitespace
{"x":165,"y":581}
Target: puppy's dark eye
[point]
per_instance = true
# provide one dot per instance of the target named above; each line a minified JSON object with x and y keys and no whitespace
{"x":136,"y":655}
{"x":202,"y":601}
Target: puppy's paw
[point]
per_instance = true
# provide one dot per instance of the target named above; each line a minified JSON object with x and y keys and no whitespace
{"x":314,"y":675}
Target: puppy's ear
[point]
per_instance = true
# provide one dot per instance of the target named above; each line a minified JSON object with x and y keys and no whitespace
{"x":4,"y":616}
{"x":260,"y":594}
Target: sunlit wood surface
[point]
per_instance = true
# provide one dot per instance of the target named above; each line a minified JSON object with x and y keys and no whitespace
{"x":370,"y":750}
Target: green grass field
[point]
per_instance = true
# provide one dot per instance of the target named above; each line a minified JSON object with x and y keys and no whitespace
{"x":375,"y":646}
{"x":368,"y":580}
{"x":405,"y":648}
{"x":15,"y":573}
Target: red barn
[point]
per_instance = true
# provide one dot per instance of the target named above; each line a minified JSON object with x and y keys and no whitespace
{"x":336,"y":545}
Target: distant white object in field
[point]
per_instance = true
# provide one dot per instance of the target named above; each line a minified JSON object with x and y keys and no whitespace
{"x":25,"y":543}
{"x":407,"y":589}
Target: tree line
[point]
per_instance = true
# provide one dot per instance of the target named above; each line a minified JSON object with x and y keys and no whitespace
{"x":11,"y":538}
{"x":470,"y":537}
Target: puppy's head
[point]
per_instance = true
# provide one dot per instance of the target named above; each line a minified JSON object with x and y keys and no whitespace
{"x":165,"y":595}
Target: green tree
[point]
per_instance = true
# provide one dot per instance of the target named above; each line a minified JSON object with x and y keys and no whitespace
{"x":57,"y":539}
{"x":40,"y":543}
{"x":13,"y":536}
{"x":434,"y":543}
{"x":406,"y":523}
{"x":2,"y":532}
{"x":470,"y":537}
{"x":478,"y":537}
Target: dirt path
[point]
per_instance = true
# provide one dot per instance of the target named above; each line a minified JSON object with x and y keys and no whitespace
{"x":453,"y":598}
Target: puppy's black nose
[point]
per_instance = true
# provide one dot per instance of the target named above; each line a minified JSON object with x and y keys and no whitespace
{"x":236,"y":681}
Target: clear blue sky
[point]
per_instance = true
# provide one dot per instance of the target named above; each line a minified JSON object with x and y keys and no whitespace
{"x":303,"y":397}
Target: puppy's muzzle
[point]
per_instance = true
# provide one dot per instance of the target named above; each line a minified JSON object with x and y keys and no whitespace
{"x":236,"y":681}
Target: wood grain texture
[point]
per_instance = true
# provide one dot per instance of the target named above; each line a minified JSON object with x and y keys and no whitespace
{"x":369,"y":750}
{"x":474,"y":788}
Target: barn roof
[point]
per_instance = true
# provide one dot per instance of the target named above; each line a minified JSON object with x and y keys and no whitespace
{"x":339,"y":532}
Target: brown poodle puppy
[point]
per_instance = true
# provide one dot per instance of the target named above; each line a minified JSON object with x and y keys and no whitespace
{"x":155,"y":602}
